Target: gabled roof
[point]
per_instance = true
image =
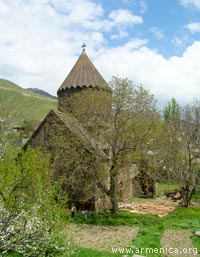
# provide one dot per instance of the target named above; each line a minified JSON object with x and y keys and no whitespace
{"x":84,"y":74}
{"x":75,"y":127}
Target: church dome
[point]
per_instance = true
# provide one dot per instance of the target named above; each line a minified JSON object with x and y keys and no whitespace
{"x":83,"y":75}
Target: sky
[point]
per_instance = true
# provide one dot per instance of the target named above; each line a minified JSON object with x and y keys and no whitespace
{"x":155,"y":43}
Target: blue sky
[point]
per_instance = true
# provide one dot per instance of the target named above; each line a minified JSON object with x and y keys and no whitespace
{"x":152,"y":42}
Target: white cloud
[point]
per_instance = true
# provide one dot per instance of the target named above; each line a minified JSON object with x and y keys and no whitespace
{"x":157,"y":32}
{"x":81,"y":12}
{"x":121,"y":34}
{"x":194,"y":27}
{"x":178,"y":41}
{"x":143,"y":6}
{"x":166,"y":78}
{"x":124,"y":17}
{"x":136,"y":43}
{"x":181,"y":40}
{"x":40,"y":42}
{"x":41,"y":39}
{"x":128,"y":1}
{"x":4,"y":10}
{"x":187,"y":3}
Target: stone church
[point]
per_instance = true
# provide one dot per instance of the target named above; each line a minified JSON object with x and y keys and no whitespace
{"x":61,"y":129}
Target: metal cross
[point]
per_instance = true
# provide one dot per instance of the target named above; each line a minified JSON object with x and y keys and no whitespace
{"x":84,"y":46}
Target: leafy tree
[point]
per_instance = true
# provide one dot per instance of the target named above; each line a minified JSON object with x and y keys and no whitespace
{"x":29,"y":126}
{"x":121,"y":123}
{"x":29,"y":213}
{"x":73,"y":164}
{"x":8,"y":119}
{"x":171,"y":110}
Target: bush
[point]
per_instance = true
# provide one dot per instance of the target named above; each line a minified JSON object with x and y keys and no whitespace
{"x":29,"y":214}
{"x":27,"y":233}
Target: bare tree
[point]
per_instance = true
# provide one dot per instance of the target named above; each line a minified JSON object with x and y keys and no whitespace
{"x":181,"y":157}
{"x":190,"y":138}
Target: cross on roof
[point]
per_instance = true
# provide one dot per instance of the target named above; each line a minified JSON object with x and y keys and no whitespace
{"x":84,"y":46}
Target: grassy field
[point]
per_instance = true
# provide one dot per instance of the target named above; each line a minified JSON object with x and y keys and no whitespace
{"x":154,"y":232}
{"x":144,"y":231}
{"x":27,"y":104}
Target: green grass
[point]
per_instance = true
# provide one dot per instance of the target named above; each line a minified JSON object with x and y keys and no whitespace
{"x":183,"y":218}
{"x":151,"y":228}
{"x":122,"y":218}
{"x":13,"y":255}
{"x":83,"y":252}
{"x":163,"y":188}
{"x":27,"y":104}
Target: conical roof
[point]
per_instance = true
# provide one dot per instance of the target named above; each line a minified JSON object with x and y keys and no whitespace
{"x":84,"y":74}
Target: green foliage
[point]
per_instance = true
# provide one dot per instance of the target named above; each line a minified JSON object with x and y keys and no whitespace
{"x":122,"y":122}
{"x":74,"y":165}
{"x":171,"y":110}
{"x":29,"y":212}
{"x":29,"y":233}
{"x":29,"y":126}
{"x":24,"y":179}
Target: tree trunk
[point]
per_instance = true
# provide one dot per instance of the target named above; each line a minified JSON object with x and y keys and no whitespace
{"x":186,"y":197}
{"x":113,"y":190}
{"x":115,"y":208}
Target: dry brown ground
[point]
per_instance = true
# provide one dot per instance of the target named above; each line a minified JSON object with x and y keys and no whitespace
{"x":178,"y":239}
{"x":160,"y":207}
{"x":102,"y":237}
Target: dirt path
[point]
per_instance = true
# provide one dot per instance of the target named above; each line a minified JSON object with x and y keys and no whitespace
{"x":102,"y":237}
{"x":179,"y":243}
{"x":160,"y":207}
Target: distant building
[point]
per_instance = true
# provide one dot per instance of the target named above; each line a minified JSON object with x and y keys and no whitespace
{"x":82,"y":78}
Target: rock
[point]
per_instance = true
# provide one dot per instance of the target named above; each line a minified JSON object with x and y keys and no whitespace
{"x":197,"y":233}
{"x":177,"y":196}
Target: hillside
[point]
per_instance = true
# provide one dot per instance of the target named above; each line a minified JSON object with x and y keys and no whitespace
{"x":41,"y":92}
{"x":29,"y":105}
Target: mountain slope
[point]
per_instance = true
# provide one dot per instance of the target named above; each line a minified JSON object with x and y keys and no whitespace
{"x":29,"y":105}
{"x":41,"y":92}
